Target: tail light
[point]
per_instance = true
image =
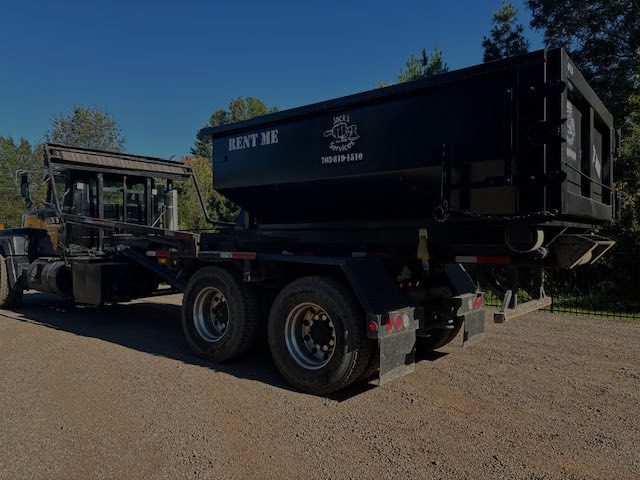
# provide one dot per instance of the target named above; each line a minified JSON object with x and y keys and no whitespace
{"x":389,"y":325}
{"x":397,"y":322}
{"x":478,"y":302}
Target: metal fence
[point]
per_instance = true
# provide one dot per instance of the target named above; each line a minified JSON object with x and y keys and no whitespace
{"x":611,"y":288}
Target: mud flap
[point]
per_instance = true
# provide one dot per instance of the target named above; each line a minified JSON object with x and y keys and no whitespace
{"x":397,"y":355}
{"x":473,"y":327}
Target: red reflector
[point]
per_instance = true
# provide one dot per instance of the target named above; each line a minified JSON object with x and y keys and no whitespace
{"x":495,"y":260}
{"x":389,"y":325}
{"x":397,"y":322}
{"x":243,"y":255}
{"x":478,"y":302}
{"x":373,"y":327}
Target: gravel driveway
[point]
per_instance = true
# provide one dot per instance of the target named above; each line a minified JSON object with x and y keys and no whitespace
{"x":115,"y":393}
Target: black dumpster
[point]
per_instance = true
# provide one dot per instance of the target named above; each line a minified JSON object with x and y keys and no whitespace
{"x":520,"y":138}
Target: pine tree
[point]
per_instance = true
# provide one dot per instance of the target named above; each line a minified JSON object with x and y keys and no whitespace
{"x":506,"y":37}
{"x":416,"y":68}
{"x":603,"y":39}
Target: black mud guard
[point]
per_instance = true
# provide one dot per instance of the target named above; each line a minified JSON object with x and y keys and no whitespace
{"x":465,"y":290}
{"x":397,"y":355}
{"x":473,"y":327}
{"x":382,"y":300}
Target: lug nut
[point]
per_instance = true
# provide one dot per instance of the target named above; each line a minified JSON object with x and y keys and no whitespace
{"x":325,"y":348}
{"x":305,"y":323}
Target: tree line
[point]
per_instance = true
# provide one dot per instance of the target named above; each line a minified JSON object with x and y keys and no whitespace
{"x":601,"y":36}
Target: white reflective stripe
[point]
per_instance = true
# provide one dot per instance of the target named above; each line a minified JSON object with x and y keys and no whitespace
{"x":226,"y":254}
{"x":466,"y":259}
{"x":151,"y":253}
{"x":358,"y":254}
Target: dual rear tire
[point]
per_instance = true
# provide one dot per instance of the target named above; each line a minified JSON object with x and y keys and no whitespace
{"x":219,"y":314}
{"x":438,"y":338}
{"x":315,"y":328}
{"x":316,"y":335}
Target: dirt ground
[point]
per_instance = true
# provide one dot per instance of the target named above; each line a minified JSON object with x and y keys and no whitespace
{"x":115,"y":393}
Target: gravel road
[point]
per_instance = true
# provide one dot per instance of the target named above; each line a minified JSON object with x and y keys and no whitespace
{"x":115,"y":393}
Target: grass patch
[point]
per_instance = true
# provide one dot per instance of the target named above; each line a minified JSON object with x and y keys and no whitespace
{"x":594,"y":305}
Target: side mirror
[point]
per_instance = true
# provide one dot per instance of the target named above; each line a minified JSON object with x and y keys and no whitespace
{"x":24,"y":190}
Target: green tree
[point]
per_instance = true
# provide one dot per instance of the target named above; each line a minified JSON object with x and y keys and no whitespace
{"x":220,"y":207}
{"x":603,"y":39}
{"x":238,"y":110}
{"x":14,"y":158}
{"x":87,"y":128}
{"x":426,"y":65}
{"x":626,"y":231}
{"x":189,"y":209}
{"x":506,"y":37}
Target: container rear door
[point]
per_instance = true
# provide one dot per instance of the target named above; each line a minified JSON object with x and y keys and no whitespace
{"x":586,"y":156}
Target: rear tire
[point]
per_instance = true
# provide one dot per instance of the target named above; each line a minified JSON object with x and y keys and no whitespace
{"x":439,"y":337}
{"x":9,"y":296}
{"x":373,"y":366}
{"x":219,"y":315}
{"x":320,"y":312}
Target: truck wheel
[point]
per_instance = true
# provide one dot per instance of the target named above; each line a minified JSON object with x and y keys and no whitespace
{"x":317,"y":337}
{"x":439,"y":338}
{"x":219,"y":315}
{"x":373,"y":366}
{"x":9,"y":296}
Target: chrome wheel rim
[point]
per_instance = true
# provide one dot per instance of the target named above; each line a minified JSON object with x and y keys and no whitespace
{"x":211,"y":314}
{"x":310,"y":336}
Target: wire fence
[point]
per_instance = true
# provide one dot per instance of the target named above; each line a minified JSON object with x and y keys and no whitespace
{"x":611,"y":288}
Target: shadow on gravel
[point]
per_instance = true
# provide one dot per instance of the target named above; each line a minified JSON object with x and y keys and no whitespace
{"x":155,"y":328}
{"x":430,"y":356}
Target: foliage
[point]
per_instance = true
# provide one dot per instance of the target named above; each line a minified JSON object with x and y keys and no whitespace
{"x":506,"y":37}
{"x":190,"y":212}
{"x":424,"y":66}
{"x":86,"y":128}
{"x":626,"y":231}
{"x":238,"y":110}
{"x":220,"y":207}
{"x":603,"y":38}
{"x":14,"y":158}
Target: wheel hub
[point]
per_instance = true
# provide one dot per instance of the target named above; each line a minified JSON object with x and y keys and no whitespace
{"x":310,"y":335}
{"x":211,"y":314}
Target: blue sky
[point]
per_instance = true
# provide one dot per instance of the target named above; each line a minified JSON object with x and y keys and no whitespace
{"x":160,"y":68}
